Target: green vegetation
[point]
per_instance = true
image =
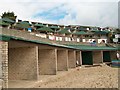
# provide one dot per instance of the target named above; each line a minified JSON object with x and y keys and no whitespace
{"x":9,"y":15}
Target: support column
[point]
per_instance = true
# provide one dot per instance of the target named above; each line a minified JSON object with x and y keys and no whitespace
{"x":47,"y":62}
{"x":79,"y":57}
{"x":23,"y":63}
{"x":97,"y":57}
{"x":71,"y":59}
{"x":4,"y":64}
{"x":62,"y":60}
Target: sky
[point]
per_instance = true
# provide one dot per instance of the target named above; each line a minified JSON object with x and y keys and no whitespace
{"x":101,"y":13}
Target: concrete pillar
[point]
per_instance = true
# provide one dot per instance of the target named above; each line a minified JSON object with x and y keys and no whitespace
{"x":71,"y":59}
{"x":113,"y":55}
{"x":47,"y":62}
{"x":23,"y":63}
{"x":3,"y":64}
{"x":79,"y":57}
{"x":97,"y":57}
{"x":0,"y":65}
{"x":62,"y":60}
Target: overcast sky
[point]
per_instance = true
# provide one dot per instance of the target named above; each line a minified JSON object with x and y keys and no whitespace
{"x":75,"y":12}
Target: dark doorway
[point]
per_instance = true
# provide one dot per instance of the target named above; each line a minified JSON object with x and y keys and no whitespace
{"x":106,"y":56}
{"x":87,"y":58}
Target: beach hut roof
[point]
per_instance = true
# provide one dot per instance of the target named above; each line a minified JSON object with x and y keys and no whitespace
{"x":80,"y":33}
{"x":64,"y":31}
{"x":100,"y":32}
{"x":23,"y":24}
{"x":3,"y":23}
{"x":47,"y":29}
{"x":54,"y":27}
{"x":7,"y":20}
{"x":39,"y":25}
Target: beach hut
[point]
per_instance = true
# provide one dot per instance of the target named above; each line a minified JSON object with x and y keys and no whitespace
{"x":66,"y":34}
{"x":55,"y":28}
{"x":5,"y":22}
{"x":81,"y":35}
{"x":23,"y":25}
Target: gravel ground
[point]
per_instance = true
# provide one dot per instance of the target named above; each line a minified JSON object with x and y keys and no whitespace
{"x":85,"y":77}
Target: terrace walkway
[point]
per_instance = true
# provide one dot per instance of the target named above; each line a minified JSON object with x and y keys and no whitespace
{"x":31,"y":36}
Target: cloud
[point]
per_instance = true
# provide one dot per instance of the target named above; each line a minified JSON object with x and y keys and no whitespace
{"x":96,"y":14}
{"x":80,"y":12}
{"x":55,"y":13}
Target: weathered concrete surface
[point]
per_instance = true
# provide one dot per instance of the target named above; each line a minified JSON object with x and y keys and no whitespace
{"x":47,"y":61}
{"x":97,"y":57}
{"x":62,"y":60}
{"x":23,"y":63}
{"x":113,"y":55}
{"x":71,"y":59}
{"x":79,"y":57}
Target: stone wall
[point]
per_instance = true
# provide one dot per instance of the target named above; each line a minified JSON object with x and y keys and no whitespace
{"x":47,"y":61}
{"x":4,"y":64}
{"x":71,"y":59}
{"x":23,"y":63}
{"x":62,"y":60}
{"x":97,"y":57}
{"x":113,"y":55}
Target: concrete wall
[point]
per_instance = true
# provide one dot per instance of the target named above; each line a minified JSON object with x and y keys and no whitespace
{"x":3,"y":64}
{"x":47,"y":61}
{"x":79,"y":57}
{"x":71,"y":59}
{"x":97,"y":57}
{"x":62,"y":60}
{"x":113,"y":55}
{"x":23,"y":63}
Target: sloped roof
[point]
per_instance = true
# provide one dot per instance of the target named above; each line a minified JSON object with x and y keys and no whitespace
{"x":23,"y":24}
{"x":4,"y":23}
{"x":76,"y":47}
{"x":101,"y":32}
{"x":54,"y":27}
{"x":45,"y":29}
{"x":92,"y":48}
{"x":80,"y":33}
{"x":64,"y":31}
{"x":39,"y":25}
{"x":7,"y":20}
